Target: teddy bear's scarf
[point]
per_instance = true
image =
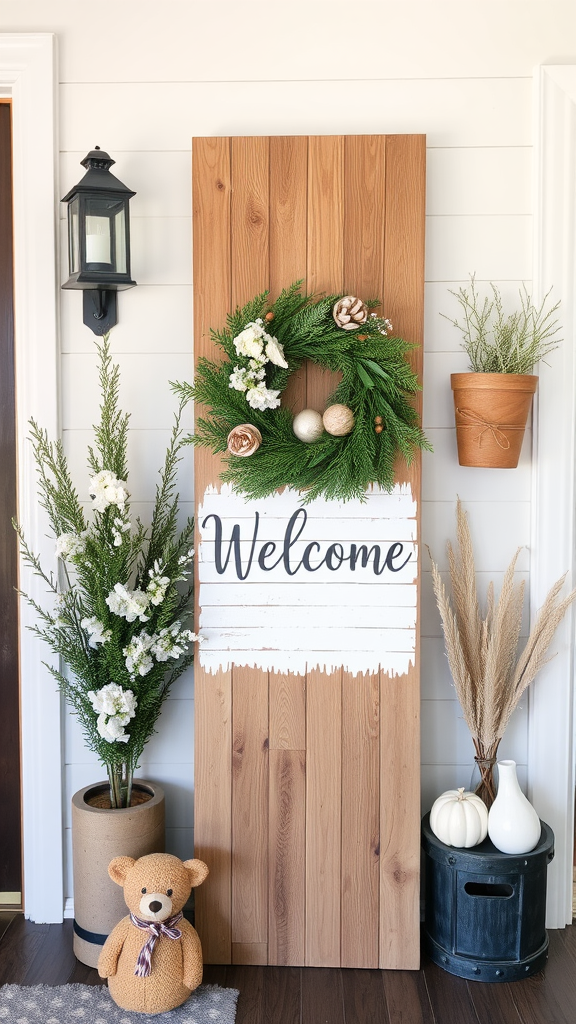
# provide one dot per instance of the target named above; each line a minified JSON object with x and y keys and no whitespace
{"x":156,"y":928}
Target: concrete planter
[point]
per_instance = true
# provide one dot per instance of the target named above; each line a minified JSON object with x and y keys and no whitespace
{"x":98,"y":835}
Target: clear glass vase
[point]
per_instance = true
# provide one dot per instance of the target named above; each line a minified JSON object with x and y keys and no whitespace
{"x":120,"y":779}
{"x":482,"y":782}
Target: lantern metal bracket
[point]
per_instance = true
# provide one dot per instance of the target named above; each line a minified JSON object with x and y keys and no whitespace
{"x":100,"y":309}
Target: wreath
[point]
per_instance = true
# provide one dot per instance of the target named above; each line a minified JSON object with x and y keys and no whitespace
{"x":368,"y":419}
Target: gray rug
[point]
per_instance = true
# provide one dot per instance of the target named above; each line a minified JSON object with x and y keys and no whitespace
{"x":92,"y":1004}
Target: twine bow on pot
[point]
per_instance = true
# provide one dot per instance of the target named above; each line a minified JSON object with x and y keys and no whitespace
{"x":496,"y":429}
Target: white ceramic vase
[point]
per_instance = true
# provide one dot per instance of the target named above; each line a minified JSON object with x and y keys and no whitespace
{"x":513,"y":824}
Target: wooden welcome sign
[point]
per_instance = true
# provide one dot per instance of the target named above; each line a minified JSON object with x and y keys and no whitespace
{"x":307,"y":775}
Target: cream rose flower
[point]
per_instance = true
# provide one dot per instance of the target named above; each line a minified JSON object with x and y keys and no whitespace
{"x":244,"y":440}
{"x":275,"y":352}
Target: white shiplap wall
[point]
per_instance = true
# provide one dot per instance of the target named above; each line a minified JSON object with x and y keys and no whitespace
{"x":460,"y":72}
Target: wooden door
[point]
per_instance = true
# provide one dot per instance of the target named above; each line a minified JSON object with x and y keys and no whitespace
{"x":10,"y":833}
{"x":307,"y":781}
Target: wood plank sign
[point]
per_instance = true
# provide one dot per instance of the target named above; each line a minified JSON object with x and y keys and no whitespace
{"x":307,"y":759}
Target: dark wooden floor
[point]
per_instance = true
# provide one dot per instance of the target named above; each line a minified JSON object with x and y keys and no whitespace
{"x":42,"y":954}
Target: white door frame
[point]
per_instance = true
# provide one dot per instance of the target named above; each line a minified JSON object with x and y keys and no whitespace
{"x":551,"y":707}
{"x":28,"y":78}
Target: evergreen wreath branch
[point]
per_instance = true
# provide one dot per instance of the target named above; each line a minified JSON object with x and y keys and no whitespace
{"x":377,"y":384}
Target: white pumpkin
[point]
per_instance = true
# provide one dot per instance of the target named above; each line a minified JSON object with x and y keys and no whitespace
{"x":459,"y":818}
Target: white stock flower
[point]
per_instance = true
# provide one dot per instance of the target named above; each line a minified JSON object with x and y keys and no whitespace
{"x":275,"y":352}
{"x":240,"y":379}
{"x":130,"y":604}
{"x":114,"y":707}
{"x":96,"y":631}
{"x":158,"y":585}
{"x":185,"y":563}
{"x":261,"y":397}
{"x":112,"y":729}
{"x":119,"y":527}
{"x":249,"y":341}
{"x":187,"y":558}
{"x":257,"y":368}
{"x":112,"y":699}
{"x":172,"y":642}
{"x":138,"y":660}
{"x":70,"y":545}
{"x":106,"y":489}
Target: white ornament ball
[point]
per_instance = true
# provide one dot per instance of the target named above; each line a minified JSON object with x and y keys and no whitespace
{"x":308,"y":426}
{"x":338,"y":420}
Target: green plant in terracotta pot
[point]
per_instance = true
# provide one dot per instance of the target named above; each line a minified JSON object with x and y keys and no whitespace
{"x":493,"y":400}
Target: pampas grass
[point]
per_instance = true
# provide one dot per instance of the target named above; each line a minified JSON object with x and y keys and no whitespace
{"x":489,"y":674}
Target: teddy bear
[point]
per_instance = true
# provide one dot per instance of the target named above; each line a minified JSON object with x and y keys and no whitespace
{"x":153,"y":957}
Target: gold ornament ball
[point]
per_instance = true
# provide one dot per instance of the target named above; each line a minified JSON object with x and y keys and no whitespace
{"x":338,"y":420}
{"x":378,"y":428}
{"x":307,"y":425}
{"x":378,"y":420}
{"x":269,"y":316}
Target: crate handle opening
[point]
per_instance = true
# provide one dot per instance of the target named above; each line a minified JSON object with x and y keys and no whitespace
{"x":500,"y":890}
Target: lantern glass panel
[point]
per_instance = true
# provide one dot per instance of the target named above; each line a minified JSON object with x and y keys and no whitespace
{"x":120,"y":237}
{"x":99,"y":254}
{"x":73,"y":236}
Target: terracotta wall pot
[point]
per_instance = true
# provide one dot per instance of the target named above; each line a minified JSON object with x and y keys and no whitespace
{"x":98,"y":835}
{"x":491,"y":411}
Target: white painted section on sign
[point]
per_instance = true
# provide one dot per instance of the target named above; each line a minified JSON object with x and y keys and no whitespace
{"x":288,"y":587}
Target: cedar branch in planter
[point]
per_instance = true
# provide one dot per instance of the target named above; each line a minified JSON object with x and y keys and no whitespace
{"x":493,"y":401}
{"x":115,"y":614}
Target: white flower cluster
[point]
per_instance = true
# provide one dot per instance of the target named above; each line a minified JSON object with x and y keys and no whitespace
{"x":114,"y":707}
{"x":130,"y":604}
{"x":70,"y":545}
{"x":134,"y":604}
{"x":96,"y":632}
{"x":386,"y":325}
{"x":244,"y":378}
{"x":138,"y":660}
{"x":184,"y":562}
{"x":106,"y":489}
{"x":259,"y":348}
{"x":119,"y":526}
{"x":158,"y":585}
{"x":168,"y":643}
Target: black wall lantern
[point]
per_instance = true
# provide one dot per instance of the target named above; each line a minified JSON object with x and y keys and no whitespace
{"x":99,"y":240}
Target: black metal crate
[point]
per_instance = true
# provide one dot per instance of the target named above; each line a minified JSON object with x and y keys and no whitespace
{"x":486,"y":910}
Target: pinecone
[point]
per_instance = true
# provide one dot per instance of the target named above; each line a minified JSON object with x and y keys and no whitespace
{"x":349,"y":312}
